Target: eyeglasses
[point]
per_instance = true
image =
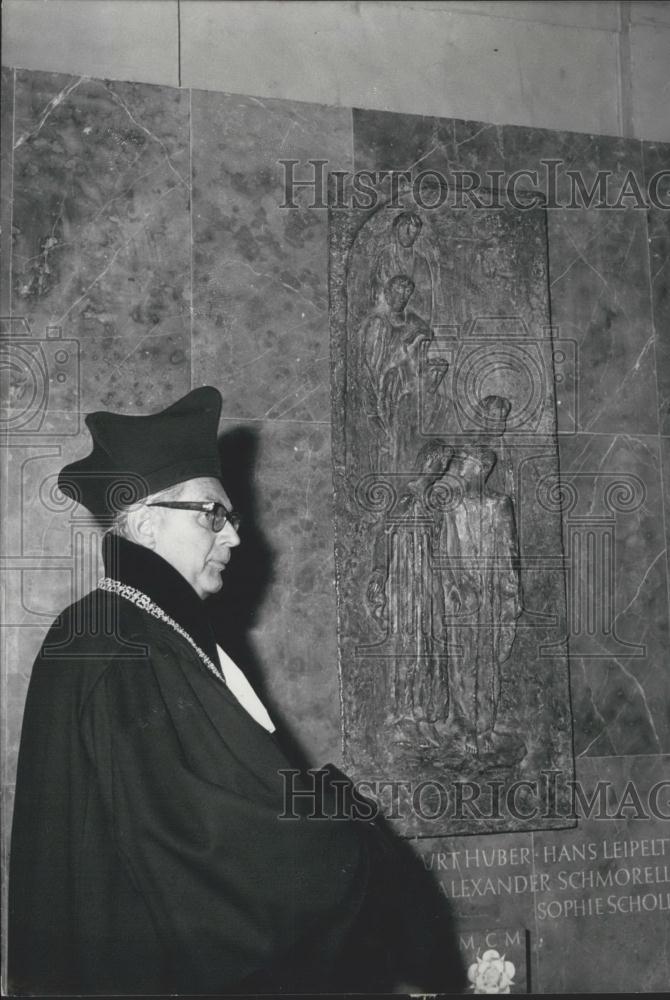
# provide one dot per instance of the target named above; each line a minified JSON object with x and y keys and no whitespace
{"x":219,"y":514}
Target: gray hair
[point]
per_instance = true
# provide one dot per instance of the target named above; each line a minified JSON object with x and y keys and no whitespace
{"x":120,"y":525}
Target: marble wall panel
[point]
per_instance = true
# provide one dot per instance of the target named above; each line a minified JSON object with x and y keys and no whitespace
{"x":665,"y":470}
{"x":259,"y":270}
{"x":656,"y":158}
{"x":6,"y":179}
{"x":601,"y":926}
{"x":21,"y":646}
{"x":385,"y":140}
{"x":599,"y":277}
{"x":533,"y":149}
{"x":597,"y":269}
{"x":7,"y":807}
{"x":45,"y":565}
{"x":619,"y":625}
{"x":101,"y":227}
{"x":50,"y":558}
{"x":100,"y":250}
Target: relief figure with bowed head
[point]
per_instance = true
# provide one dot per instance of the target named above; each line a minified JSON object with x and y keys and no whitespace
{"x":478,"y":557}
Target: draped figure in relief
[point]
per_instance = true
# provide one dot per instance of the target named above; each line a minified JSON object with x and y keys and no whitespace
{"x":404,"y":255}
{"x":392,"y":344}
{"x":478,"y":560}
{"x":405,"y":597}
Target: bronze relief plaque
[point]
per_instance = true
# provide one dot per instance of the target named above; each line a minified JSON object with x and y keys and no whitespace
{"x":449,"y":558}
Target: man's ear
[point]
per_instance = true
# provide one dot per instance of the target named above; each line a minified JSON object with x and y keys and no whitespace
{"x":142,"y":526}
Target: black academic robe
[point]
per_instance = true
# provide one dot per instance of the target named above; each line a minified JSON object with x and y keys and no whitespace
{"x":147,"y":853}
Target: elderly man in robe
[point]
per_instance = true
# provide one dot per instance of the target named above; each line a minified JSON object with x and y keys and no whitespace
{"x":149,"y":853}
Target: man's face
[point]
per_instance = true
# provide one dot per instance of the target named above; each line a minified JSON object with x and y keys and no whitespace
{"x":185,"y":539}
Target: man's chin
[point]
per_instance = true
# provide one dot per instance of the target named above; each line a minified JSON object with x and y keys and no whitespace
{"x":213,"y":583}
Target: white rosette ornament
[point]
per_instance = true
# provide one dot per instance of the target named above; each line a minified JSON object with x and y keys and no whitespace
{"x":490,"y":973}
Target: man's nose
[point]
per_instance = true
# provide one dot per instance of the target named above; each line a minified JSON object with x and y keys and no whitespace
{"x":228,"y":536}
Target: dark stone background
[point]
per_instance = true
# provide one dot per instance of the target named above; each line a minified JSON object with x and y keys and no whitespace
{"x":144,"y":221}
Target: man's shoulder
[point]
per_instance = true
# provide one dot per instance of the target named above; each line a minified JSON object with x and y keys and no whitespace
{"x":99,"y":626}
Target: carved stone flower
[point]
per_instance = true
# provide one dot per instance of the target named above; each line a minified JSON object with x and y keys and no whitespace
{"x":491,"y":973}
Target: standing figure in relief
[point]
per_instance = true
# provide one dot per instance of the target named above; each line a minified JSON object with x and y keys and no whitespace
{"x":479,"y":562}
{"x":392,"y":343}
{"x":401,"y":596}
{"x":403,"y":256}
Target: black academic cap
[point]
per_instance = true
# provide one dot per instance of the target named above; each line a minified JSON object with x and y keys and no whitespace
{"x":134,"y":456}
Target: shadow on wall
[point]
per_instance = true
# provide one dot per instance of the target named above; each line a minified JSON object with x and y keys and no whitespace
{"x":416,"y":944}
{"x":235,"y":610}
{"x":418,"y":927}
